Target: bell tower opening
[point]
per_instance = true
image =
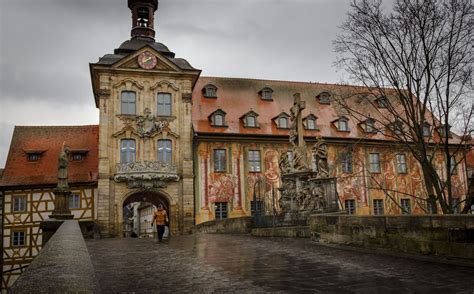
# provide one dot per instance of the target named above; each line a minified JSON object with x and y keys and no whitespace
{"x":143,"y":15}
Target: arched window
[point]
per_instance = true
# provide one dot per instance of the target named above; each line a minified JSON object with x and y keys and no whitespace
{"x":343,"y":125}
{"x":164,"y":104}
{"x":251,"y":121}
{"x":283,"y":123}
{"x":143,"y":17}
{"x":165,"y":152}
{"x":127,"y":151}
{"x":218,"y":120}
{"x":128,"y":101}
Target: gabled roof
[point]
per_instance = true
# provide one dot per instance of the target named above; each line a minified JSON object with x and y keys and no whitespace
{"x":49,"y":139}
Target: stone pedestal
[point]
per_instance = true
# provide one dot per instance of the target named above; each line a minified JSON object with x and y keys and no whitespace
{"x":61,"y":210}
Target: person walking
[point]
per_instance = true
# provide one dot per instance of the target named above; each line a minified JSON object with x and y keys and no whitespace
{"x":160,"y":219}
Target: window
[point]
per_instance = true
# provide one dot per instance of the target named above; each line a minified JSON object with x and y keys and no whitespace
{"x":347,"y":163}
{"x":19,"y":204}
{"x":251,"y":121}
{"x":267,"y":94}
{"x":426,"y":130}
{"x":401,"y":164}
{"x":406,"y":207}
{"x":221,"y":210}
{"x":142,"y":17}
{"x":210,"y":91}
{"x":343,"y":125}
{"x":220,"y":160}
{"x":19,"y":238}
{"x":283,"y":123}
{"x":350,"y":207}
{"x":127,"y":151}
{"x":128,"y":102}
{"x":324,"y":98}
{"x":254,"y":160}
{"x":369,"y":126}
{"x":164,"y":104}
{"x":165,"y":151}
{"x":442,"y":130}
{"x":397,"y":128}
{"x":453,"y":168}
{"x":311,"y":124}
{"x":374,"y":162}
{"x":218,"y":118}
{"x":74,"y":201}
{"x":77,"y":156}
{"x":378,"y":207}
{"x":259,"y":205}
{"x":34,"y":157}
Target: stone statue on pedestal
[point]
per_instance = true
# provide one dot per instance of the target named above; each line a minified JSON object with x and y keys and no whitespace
{"x":62,"y":190}
{"x":63,"y":162}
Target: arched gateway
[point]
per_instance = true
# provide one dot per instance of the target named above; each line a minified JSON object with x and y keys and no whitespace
{"x":154,"y":197}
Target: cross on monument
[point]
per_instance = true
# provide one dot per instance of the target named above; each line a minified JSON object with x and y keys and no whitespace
{"x":297,"y":119}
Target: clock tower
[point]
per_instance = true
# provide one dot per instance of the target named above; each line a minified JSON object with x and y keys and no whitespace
{"x":144,"y":94}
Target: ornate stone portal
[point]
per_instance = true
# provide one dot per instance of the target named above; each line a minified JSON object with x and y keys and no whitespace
{"x":146,"y":175}
{"x":305,"y":189}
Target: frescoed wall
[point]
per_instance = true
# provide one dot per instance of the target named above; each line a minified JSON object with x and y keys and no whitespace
{"x":236,"y":184}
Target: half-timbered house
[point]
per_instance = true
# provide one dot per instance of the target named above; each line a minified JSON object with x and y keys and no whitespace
{"x":27,"y":185}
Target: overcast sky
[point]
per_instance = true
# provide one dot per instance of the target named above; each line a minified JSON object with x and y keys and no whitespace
{"x":46,"y":46}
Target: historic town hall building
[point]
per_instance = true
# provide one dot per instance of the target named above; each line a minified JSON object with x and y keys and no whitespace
{"x":197,"y":145}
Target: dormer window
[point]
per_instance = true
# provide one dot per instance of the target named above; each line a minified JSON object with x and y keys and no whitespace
{"x":283,"y":123}
{"x":426,"y":130}
{"x":77,"y":157}
{"x":397,"y":128}
{"x":343,"y":124}
{"x":250,"y":120}
{"x":382,"y":102}
{"x":282,"y":120}
{"x":324,"y":98}
{"x":34,"y":156}
{"x":310,"y":122}
{"x":369,"y":126}
{"x":218,"y":118}
{"x":210,"y":91}
{"x":266,"y":93}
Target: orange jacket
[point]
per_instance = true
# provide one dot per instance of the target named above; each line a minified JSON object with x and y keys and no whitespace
{"x":161,"y":217}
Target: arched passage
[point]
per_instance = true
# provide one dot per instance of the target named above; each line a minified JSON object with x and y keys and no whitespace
{"x":145,"y":197}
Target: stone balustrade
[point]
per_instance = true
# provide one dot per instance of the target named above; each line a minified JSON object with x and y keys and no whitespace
{"x":62,"y":266}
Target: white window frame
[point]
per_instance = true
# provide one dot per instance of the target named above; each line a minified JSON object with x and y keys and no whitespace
{"x":401,"y":160}
{"x":128,"y":153}
{"x":165,"y":151}
{"x":374,"y":163}
{"x":254,"y":159}
{"x":128,"y":106}
{"x":164,"y":104}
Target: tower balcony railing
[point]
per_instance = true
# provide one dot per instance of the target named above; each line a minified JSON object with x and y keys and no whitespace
{"x":146,"y":174}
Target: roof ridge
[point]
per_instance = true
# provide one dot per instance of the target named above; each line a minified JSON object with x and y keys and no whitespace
{"x":295,"y":82}
{"x":56,"y":127}
{"x":285,"y":81}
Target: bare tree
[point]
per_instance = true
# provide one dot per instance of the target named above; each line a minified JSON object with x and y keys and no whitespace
{"x":416,"y":66}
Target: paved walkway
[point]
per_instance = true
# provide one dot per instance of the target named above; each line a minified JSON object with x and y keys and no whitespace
{"x":244,"y":264}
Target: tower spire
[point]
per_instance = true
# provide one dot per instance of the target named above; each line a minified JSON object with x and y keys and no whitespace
{"x":143,"y":16}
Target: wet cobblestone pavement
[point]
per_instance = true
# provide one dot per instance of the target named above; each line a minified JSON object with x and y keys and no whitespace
{"x":244,"y":264}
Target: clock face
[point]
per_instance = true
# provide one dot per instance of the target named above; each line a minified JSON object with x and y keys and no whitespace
{"x":146,"y":60}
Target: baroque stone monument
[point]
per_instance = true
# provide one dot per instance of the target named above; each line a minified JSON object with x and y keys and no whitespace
{"x":62,"y":191}
{"x":306,"y":185}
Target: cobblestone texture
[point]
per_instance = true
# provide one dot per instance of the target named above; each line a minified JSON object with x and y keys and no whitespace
{"x":244,"y":264}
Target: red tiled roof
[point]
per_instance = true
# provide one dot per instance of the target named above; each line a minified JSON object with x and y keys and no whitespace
{"x":237,"y":96}
{"x":49,"y":140}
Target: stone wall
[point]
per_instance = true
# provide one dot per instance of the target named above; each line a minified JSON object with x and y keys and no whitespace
{"x":239,"y":225}
{"x":64,"y":265}
{"x":448,"y":235}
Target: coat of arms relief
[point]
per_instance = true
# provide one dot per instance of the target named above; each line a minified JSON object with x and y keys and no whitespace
{"x":147,"y":125}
